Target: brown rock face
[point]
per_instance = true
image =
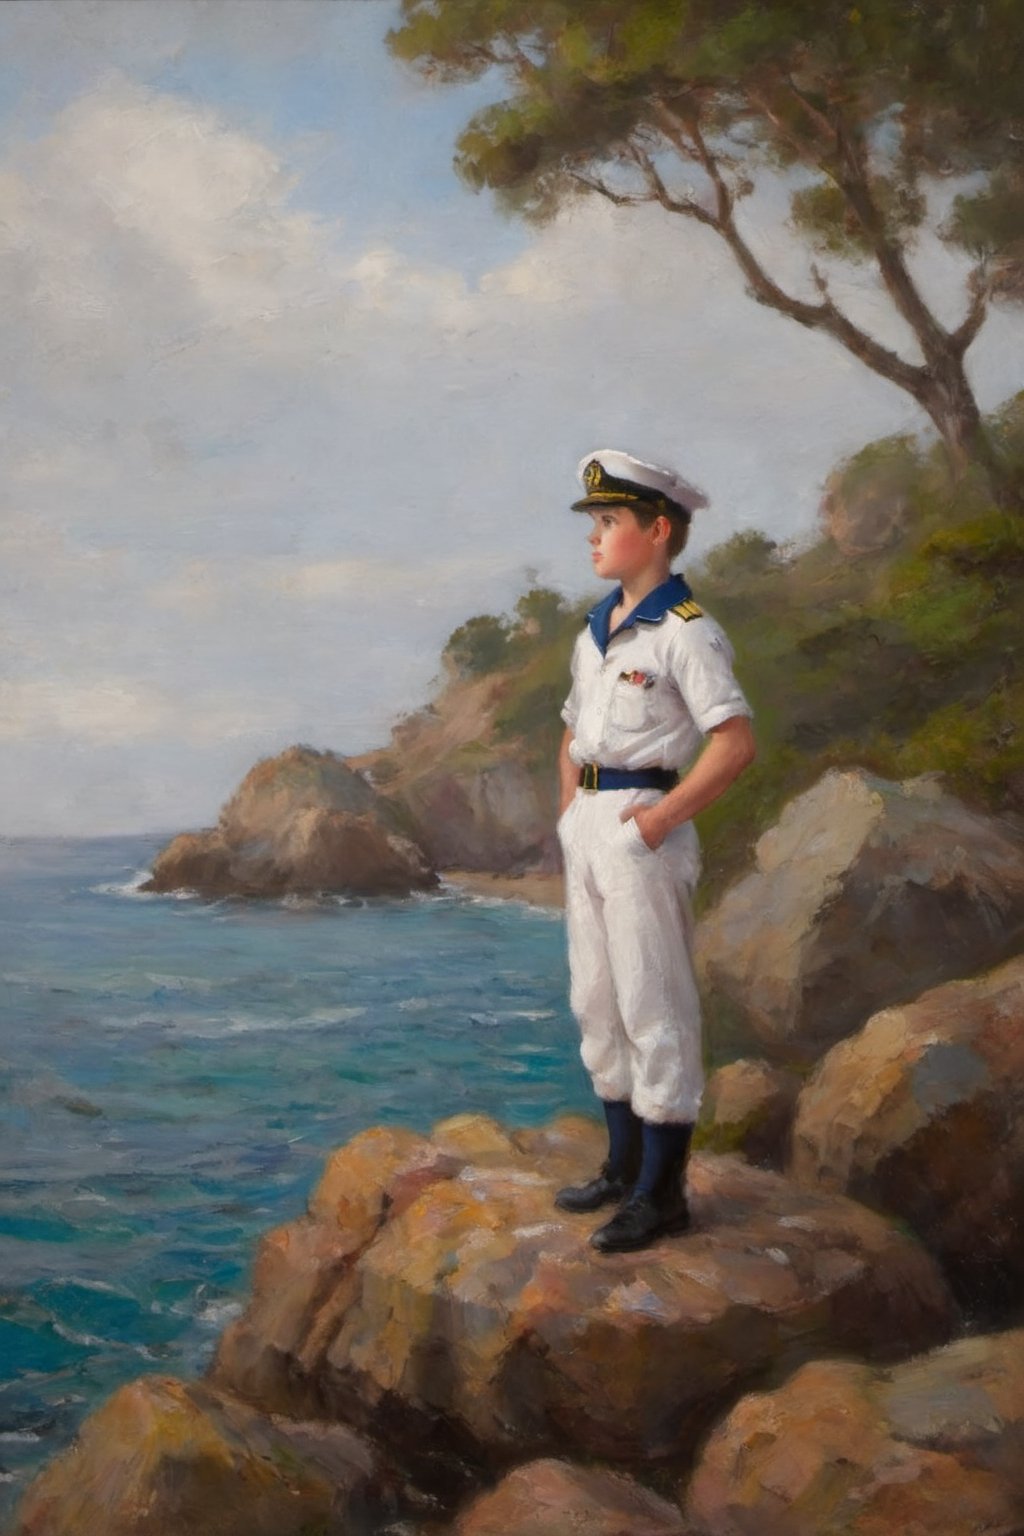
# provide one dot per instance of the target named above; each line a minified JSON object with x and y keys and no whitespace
{"x":435,"y":1298}
{"x":300,"y":823}
{"x":928,"y":1448}
{"x":865,"y":893}
{"x":748,"y":1107}
{"x":544,"y":1498}
{"x":922,"y":1114}
{"x":867,"y":503}
{"x":164,"y":1459}
{"x":489,"y":817}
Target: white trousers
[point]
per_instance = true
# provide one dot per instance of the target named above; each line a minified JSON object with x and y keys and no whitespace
{"x":630,"y":929}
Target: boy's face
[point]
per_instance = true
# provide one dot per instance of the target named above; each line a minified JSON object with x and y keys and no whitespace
{"x":620,"y":549}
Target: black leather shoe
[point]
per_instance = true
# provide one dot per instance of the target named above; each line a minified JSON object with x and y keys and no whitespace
{"x":606,"y":1189}
{"x":641,"y":1220}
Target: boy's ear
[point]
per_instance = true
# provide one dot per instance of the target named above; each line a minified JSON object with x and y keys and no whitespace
{"x":662,"y":529}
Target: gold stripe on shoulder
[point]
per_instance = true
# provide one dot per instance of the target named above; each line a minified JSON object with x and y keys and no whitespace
{"x":688,"y":610}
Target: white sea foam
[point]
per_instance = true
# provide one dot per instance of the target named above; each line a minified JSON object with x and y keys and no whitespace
{"x":132,"y":887}
{"x":85,"y":1340}
{"x":102,"y":1286}
{"x":215,"y":1026}
{"x":217,"y":1313}
{"x":320,"y":1018}
{"x":181,"y":983}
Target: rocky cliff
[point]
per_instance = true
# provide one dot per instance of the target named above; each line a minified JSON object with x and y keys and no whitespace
{"x":300,"y":823}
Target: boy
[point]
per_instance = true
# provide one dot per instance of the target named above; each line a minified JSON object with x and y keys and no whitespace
{"x":652,"y":675}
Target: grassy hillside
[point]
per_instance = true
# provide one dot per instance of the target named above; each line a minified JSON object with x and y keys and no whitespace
{"x":904,"y":660}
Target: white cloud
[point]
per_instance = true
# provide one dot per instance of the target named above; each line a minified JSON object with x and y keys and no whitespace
{"x":257,"y":467}
{"x":114,"y":711}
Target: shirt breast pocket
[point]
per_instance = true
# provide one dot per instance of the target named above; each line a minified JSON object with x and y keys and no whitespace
{"x":633,"y":705}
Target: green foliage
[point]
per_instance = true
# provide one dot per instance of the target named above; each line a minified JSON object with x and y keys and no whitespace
{"x":478,"y":646}
{"x":906,"y":661}
{"x":681,"y":103}
{"x":734,"y":562}
{"x":978,"y":744}
{"x":540,"y":614}
{"x":947,"y":78}
{"x":823,"y":213}
{"x":530,"y":710}
{"x":890,"y":464}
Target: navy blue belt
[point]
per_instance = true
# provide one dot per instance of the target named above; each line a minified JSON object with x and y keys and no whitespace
{"x":593,"y":776}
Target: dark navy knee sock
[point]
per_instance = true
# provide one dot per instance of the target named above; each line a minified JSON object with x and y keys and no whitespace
{"x":665,"y":1149}
{"x":623,"y":1136}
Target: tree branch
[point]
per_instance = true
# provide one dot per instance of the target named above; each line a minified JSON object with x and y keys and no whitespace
{"x":853,"y":180}
{"x":980,"y":286}
{"x":821,"y":121}
{"x":800,"y":147}
{"x":684,"y":205}
{"x":620,"y":199}
{"x":824,"y":316}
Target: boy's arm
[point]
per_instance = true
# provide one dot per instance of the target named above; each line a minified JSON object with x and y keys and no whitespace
{"x":568,"y":773}
{"x":729,"y":749}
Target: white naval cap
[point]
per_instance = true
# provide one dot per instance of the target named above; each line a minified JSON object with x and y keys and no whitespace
{"x":609,"y":476}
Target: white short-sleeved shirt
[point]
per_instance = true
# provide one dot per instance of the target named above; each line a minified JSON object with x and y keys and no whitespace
{"x":647,"y":696}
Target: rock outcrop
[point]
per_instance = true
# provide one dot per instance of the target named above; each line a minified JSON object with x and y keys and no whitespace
{"x":164,"y":1459}
{"x":549,"y":1498}
{"x":435,"y":1299}
{"x":868,"y":501}
{"x":748,"y":1107}
{"x":478,"y":802}
{"x":865,"y":893}
{"x":486,"y":816}
{"x":299,"y":824}
{"x":927,"y":1448}
{"x":922,"y":1114}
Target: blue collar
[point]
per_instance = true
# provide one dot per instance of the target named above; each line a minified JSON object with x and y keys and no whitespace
{"x":650,"y":609}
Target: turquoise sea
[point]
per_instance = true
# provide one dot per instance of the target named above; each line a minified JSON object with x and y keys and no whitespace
{"x":173,"y":1072}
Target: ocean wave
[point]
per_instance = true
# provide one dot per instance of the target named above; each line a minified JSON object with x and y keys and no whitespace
{"x":203,"y":984}
{"x":320,"y":1016}
{"x":101,"y":1287}
{"x":98,"y":1341}
{"x":217,"y":1313}
{"x":216,"y":1026}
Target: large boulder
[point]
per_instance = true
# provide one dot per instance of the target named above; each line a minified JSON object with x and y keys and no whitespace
{"x":299,"y":824}
{"x":547,"y":1498}
{"x":164,"y":1459}
{"x":436,"y":1299}
{"x":868,"y":502}
{"x":864,"y":893}
{"x":485,"y":816}
{"x":931,"y":1447}
{"x":922,"y":1114}
{"x":748,"y":1107}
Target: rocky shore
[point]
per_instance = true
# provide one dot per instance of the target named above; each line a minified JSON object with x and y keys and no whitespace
{"x":434,"y":1348}
{"x":835,"y":1348}
{"x":536,"y":889}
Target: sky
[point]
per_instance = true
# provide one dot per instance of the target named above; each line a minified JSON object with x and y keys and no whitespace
{"x":284,"y":403}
